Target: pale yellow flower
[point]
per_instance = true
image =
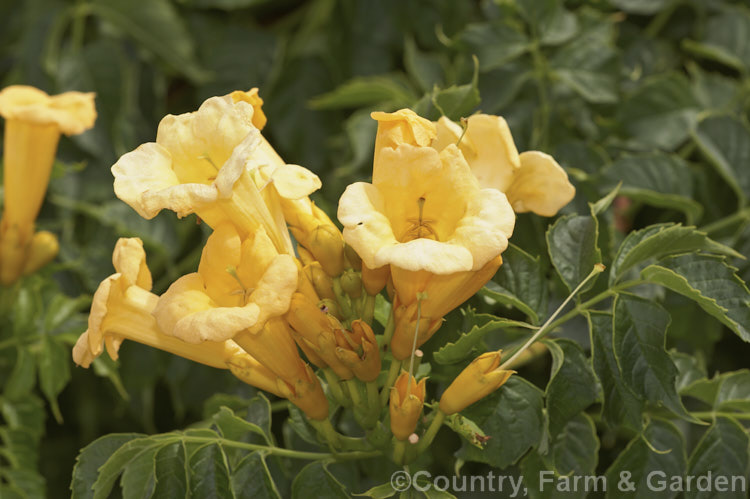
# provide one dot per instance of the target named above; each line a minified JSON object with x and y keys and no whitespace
{"x":122,"y":310}
{"x":476,"y":381}
{"x":242,"y":289}
{"x":426,"y":216}
{"x":34,"y":122}
{"x":407,"y":399}
{"x":214,"y":162}
{"x":533,"y":181}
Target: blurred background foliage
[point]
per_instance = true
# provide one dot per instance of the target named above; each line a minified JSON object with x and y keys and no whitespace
{"x":654,"y":94}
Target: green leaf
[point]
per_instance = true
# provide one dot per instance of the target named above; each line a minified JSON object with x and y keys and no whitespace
{"x":458,"y":101}
{"x":424,"y":68}
{"x":658,"y":179}
{"x":171,"y":473}
{"x":640,"y":328}
{"x":139,"y":478}
{"x":316,"y":481}
{"x":233,"y":427}
{"x":660,"y":241}
{"x":711,"y":283}
{"x":689,"y":369}
{"x":456,"y":351}
{"x":61,"y":308}
{"x":157,"y":27}
{"x":251,"y":478}
{"x":659,"y":449}
{"x":119,"y":460}
{"x":620,"y":404}
{"x":366,"y":91}
{"x":91,"y":458}
{"x":54,"y":371}
{"x":259,"y":414}
{"x":573,"y":453}
{"x":722,"y":452}
{"x":661,"y":112}
{"x":210,"y":473}
{"x":494,"y":44}
{"x":585,"y":64}
{"x":22,"y":378}
{"x":726,"y":39}
{"x":734,"y":392}
{"x":378,"y":492}
{"x":641,"y":7}
{"x":467,"y":429}
{"x":572,"y":386}
{"x":520,"y":282}
{"x":515,"y":409}
{"x":725,"y":141}
{"x":26,"y":413}
{"x":573,"y":249}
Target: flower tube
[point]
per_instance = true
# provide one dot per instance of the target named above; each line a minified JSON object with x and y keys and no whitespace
{"x":34,"y":122}
{"x":476,"y":381}
{"x":426,"y":217}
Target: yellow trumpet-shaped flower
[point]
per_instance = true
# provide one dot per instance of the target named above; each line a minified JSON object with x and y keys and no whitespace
{"x":533,"y":181}
{"x":207,"y":162}
{"x":34,"y":122}
{"x":242,"y":289}
{"x":479,"y":379}
{"x":427,"y":218}
{"x":407,"y":399}
{"x":122,"y":310}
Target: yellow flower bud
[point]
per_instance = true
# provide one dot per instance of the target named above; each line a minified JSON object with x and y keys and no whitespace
{"x":351,"y":283}
{"x":322,"y":282}
{"x":479,"y":379}
{"x":352,"y":258}
{"x":43,"y":249}
{"x":407,"y":399}
{"x":314,"y":231}
{"x":358,"y":350}
{"x":316,"y":331}
{"x":375,"y":280}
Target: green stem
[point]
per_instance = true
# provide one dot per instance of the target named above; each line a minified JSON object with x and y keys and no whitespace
{"x":542,"y":331}
{"x":660,"y":20}
{"x":392,"y":375}
{"x":351,"y":384}
{"x":432,"y":430}
{"x":343,"y":299}
{"x":373,"y":398}
{"x":279,"y":405}
{"x":721,"y":224}
{"x":368,"y":309}
{"x":335,"y":387}
{"x":399,"y":451}
{"x":329,"y":433}
{"x":709,"y":415}
{"x":278,"y":451}
{"x":390,"y":328}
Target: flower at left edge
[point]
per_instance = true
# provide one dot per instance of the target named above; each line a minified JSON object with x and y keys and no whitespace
{"x":34,"y":122}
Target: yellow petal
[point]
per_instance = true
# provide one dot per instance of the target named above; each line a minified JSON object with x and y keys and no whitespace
{"x":274,"y":291}
{"x":129,"y":259}
{"x":71,"y":112}
{"x":188,"y":313}
{"x":42,"y":250}
{"x":540,"y":185}
{"x":295,"y":182}
{"x":496,"y":158}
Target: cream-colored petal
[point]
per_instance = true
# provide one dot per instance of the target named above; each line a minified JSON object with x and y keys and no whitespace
{"x":449,"y":132}
{"x":230,"y":171}
{"x":295,"y":182}
{"x":99,"y":306}
{"x":366,"y":228}
{"x":129,"y":259}
{"x":71,"y":112}
{"x":82,"y":354}
{"x":188,"y":313}
{"x":486,"y":227}
{"x":496,"y":158}
{"x":274,"y":291}
{"x":202,"y":141}
{"x":144,"y":179}
{"x":426,"y":254}
{"x":540,"y":185}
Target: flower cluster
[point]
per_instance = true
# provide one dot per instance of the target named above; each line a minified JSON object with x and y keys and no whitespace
{"x":282,"y":295}
{"x":34,"y":122}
